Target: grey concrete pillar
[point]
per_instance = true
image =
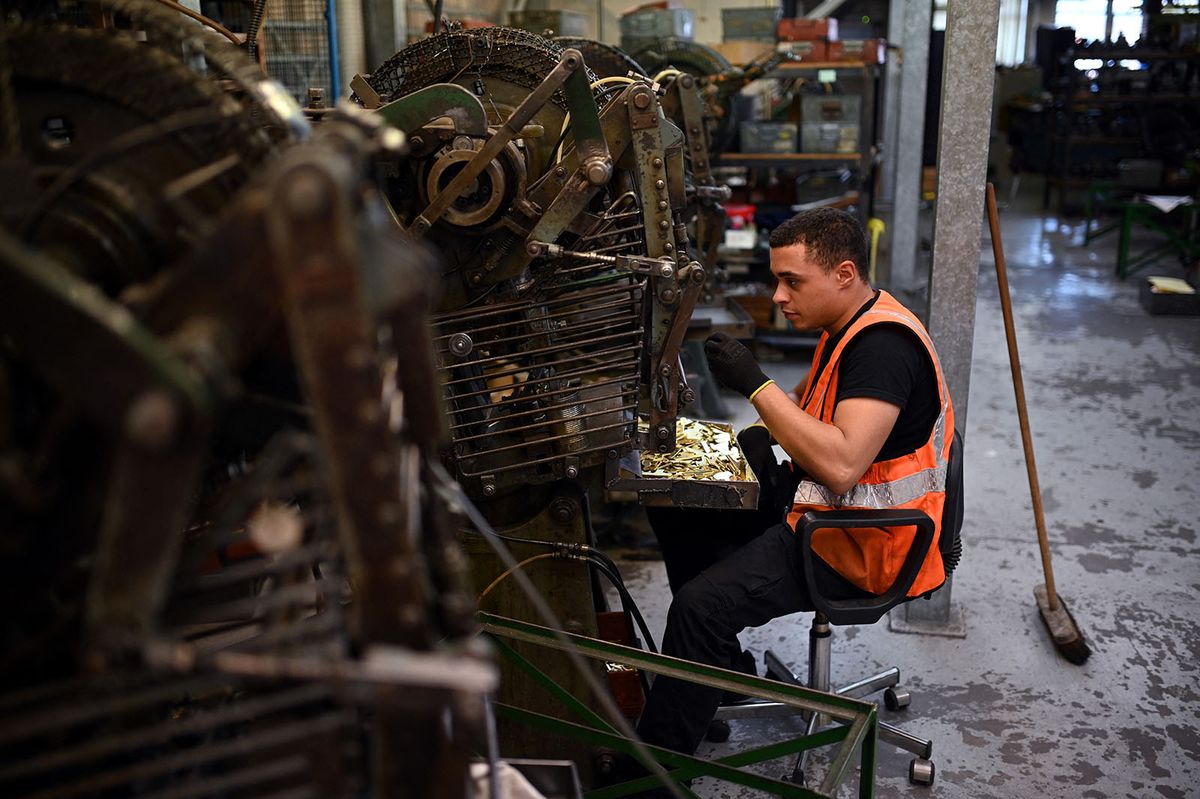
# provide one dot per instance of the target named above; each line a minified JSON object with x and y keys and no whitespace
{"x":890,"y":105}
{"x":903,"y":233}
{"x":386,"y":26}
{"x":968,"y":81}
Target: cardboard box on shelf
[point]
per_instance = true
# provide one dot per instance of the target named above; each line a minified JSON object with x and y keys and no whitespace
{"x":742,"y":52}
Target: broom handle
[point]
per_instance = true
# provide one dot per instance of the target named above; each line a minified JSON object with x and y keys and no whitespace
{"x":1014,"y":361}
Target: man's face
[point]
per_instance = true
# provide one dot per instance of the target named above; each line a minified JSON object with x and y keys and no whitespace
{"x":808,"y":295}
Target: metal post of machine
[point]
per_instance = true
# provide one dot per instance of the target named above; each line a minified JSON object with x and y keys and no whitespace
{"x":386,"y":26}
{"x":971,"y":29}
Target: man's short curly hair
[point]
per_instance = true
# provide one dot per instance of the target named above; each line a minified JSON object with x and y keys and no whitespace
{"x":829,"y":236}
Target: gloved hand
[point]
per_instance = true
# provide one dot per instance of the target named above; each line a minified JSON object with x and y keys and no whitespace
{"x":733,"y":365}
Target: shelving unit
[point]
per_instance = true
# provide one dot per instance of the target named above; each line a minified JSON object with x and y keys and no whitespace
{"x":1102,"y":116}
{"x":866,"y":76}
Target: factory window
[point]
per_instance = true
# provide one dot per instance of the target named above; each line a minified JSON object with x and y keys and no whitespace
{"x":1010,"y":33}
{"x":1092,"y":20}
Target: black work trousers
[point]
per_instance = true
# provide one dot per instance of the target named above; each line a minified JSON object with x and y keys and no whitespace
{"x":759,"y":581}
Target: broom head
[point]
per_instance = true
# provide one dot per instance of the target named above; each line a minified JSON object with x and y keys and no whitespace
{"x":1068,"y":640}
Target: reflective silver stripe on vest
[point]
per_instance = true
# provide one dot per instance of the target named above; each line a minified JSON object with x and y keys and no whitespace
{"x":883,"y":495}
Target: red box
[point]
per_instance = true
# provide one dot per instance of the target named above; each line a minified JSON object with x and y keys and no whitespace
{"x":799,"y":30}
{"x":868,"y":51}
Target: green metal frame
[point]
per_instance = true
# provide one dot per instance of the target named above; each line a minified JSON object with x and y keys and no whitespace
{"x":857,"y":722}
{"x":1182,"y":238}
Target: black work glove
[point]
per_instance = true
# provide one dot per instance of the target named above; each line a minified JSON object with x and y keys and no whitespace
{"x":733,"y":365}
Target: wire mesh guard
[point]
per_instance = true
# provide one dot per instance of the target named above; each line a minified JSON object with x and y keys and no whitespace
{"x":541,"y":387}
{"x":295,"y":44}
{"x":180,"y":736}
{"x":140,"y":733}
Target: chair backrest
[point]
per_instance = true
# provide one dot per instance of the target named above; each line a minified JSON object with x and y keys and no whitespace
{"x":868,"y":611}
{"x":950,"y":542}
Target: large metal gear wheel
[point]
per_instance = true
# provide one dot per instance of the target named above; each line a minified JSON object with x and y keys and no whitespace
{"x":499,"y":65}
{"x":121,"y":135}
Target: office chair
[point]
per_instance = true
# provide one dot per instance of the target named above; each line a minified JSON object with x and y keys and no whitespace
{"x":829,"y":612}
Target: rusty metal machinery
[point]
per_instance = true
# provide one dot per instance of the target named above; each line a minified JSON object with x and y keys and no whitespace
{"x":561,"y":204}
{"x":228,"y":569}
{"x":558,"y":208}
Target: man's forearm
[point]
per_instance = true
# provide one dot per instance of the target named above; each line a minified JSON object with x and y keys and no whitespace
{"x":819,"y":449}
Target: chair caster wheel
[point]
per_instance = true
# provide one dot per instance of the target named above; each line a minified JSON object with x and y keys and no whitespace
{"x":718,"y":731}
{"x":921,"y":771}
{"x":896,"y":699}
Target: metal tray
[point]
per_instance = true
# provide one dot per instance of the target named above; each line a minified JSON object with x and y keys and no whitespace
{"x":673,"y":483}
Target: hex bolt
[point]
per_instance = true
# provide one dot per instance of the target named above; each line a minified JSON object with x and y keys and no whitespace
{"x":666,"y":270}
{"x":667,"y":295}
{"x":417,"y":142}
{"x":687,"y":396}
{"x":612,"y":454}
{"x":560,"y":171}
{"x":562,"y":510}
{"x":641,"y":101}
{"x":489,"y":489}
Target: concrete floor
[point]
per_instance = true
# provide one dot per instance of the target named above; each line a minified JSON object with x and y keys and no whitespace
{"x":1114,"y":397}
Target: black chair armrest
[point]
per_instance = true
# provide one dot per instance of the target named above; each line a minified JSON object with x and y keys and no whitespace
{"x":869,"y":610}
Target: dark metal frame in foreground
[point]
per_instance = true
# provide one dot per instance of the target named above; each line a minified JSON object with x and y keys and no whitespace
{"x":857,"y":721}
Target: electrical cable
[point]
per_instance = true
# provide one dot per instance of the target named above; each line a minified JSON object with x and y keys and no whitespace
{"x":607,"y":566}
{"x":507,"y":572}
{"x":615,"y":717}
{"x":212,"y":23}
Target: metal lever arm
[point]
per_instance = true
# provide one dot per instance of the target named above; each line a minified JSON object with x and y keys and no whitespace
{"x":570,"y":64}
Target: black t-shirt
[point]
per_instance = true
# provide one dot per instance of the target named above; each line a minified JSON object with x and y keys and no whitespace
{"x":888,"y":362}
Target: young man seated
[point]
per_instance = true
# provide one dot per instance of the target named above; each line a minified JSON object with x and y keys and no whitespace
{"x":870,"y":428}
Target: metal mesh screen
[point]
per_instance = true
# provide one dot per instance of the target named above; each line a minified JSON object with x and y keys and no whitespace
{"x":295,"y":42}
{"x":549,"y":383}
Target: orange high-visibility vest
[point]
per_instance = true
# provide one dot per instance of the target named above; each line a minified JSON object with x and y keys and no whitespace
{"x":871,"y":557}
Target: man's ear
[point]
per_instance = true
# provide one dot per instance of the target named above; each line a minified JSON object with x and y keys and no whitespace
{"x":846,"y":273}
